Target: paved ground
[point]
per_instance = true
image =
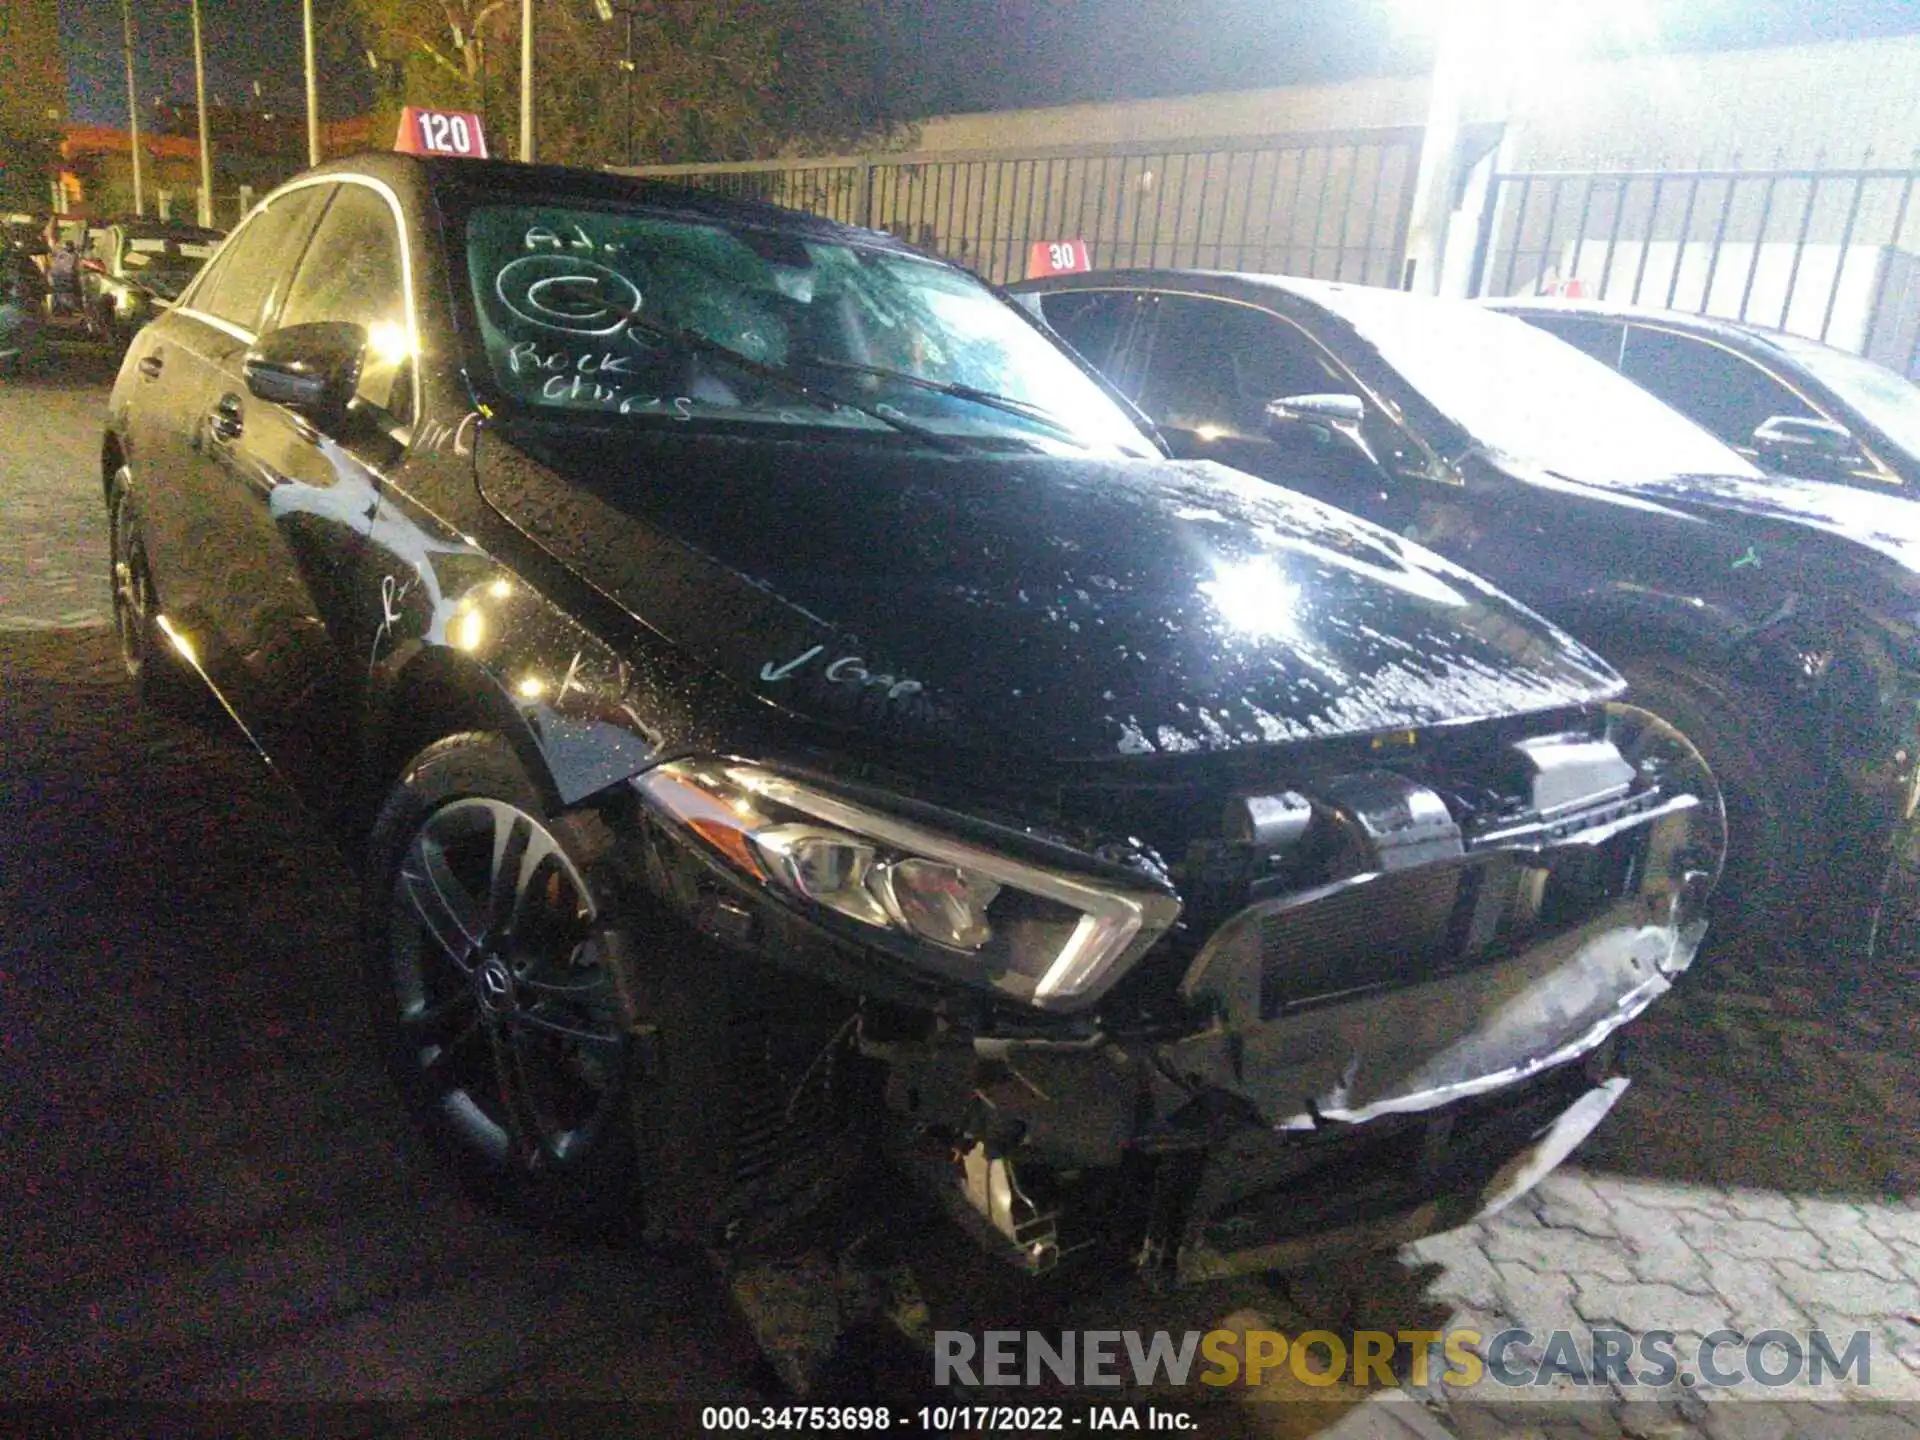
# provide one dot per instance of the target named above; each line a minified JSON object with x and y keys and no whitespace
{"x":1760,"y":1175}
{"x":53,"y":536}
{"x":207,"y":1194}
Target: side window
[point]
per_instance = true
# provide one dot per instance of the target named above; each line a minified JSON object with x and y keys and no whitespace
{"x":1215,"y":366}
{"x":1094,"y":322}
{"x":209,"y":281}
{"x":1602,"y":339}
{"x":352,"y":272}
{"x":250,"y":272}
{"x":1710,"y":385}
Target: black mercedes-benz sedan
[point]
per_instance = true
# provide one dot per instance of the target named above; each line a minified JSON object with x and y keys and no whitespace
{"x":1785,"y":402}
{"x":790,"y":716}
{"x":1774,"y":620}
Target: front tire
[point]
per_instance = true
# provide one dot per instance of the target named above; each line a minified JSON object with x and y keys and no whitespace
{"x":144,"y":652}
{"x":1774,"y":849}
{"x":491,"y":993}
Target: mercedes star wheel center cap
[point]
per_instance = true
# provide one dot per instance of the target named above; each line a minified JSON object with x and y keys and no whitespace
{"x":495,"y":983}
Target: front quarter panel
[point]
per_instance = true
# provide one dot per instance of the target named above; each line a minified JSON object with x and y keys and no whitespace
{"x":457,"y":630}
{"x":460,"y":634}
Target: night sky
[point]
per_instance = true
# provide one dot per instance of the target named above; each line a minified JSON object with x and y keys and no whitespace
{"x":973,"y":54}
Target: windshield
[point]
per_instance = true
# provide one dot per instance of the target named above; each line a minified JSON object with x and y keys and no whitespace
{"x":1520,"y":391}
{"x":1884,"y":399}
{"x":637,"y":314}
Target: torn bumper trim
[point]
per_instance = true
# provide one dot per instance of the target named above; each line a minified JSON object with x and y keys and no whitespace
{"x":1457,"y":1036}
{"x":1556,"y":1143}
{"x":1468,"y":1192}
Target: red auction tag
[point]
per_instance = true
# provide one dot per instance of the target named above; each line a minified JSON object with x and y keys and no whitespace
{"x":1057,"y":257}
{"x":440,"y":132}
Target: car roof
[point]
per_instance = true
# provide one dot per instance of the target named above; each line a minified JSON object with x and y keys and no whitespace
{"x":509,"y":181}
{"x":1712,"y":326}
{"x":1327,"y":293}
{"x":1344,"y":302}
{"x":1321,"y":292}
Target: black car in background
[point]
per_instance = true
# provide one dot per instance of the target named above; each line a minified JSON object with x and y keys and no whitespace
{"x":1785,"y":402}
{"x":23,"y":292}
{"x":135,"y":269}
{"x":25,"y":235}
{"x":1775,"y":620}
{"x":786,"y":711}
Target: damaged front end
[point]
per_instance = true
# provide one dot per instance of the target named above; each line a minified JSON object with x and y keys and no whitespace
{"x":1385,"y":1007}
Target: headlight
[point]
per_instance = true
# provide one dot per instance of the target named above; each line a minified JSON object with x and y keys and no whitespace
{"x":1053,"y":939}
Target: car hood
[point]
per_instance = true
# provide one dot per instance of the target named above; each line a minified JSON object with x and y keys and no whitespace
{"x":1065,"y":608}
{"x":1885,"y":524}
{"x":1810,"y":514}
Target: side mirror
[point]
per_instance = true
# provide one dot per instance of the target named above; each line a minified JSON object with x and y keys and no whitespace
{"x":1325,"y":417}
{"x":1796,"y":445}
{"x":310,"y":369}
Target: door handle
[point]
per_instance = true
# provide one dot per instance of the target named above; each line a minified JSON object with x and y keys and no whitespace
{"x":224,"y":421}
{"x":150,"y":366}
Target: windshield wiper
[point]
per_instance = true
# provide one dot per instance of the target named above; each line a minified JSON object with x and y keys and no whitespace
{"x":785,"y":378}
{"x":992,"y":400}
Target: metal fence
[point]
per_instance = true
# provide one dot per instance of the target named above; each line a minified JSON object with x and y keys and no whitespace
{"x":1826,"y":253}
{"x":1331,"y":205}
{"x":184,"y":205}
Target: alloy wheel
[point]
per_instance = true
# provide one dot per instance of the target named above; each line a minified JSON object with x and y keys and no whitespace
{"x":504,"y":1003}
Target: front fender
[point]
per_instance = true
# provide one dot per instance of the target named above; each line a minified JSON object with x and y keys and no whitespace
{"x":1625,"y":618}
{"x":461,"y":639}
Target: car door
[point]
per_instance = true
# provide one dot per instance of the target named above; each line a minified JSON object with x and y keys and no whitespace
{"x":296,"y":501}
{"x":1732,"y":395}
{"x":1205,"y":369}
{"x":199,"y":572}
{"x":1708,"y":383}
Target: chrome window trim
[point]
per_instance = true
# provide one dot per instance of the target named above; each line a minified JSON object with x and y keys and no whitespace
{"x":348,"y":177}
{"x":1881,"y":472}
{"x":1441,"y":473}
{"x":225,"y":327}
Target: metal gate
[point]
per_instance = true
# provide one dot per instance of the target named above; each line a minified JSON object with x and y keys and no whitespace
{"x":1331,"y":205}
{"x":1832,"y":254}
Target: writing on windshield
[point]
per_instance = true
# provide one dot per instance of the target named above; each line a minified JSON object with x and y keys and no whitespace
{"x":632,"y":313}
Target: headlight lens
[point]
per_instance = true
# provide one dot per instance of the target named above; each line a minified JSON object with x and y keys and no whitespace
{"x":1053,"y":939}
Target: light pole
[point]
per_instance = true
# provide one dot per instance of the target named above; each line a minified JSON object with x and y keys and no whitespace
{"x":526,"y":82}
{"x":313,"y":84}
{"x":1490,"y":56}
{"x":1433,"y":184}
{"x":205,"y":207}
{"x":606,"y":10}
{"x":133,"y":112}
